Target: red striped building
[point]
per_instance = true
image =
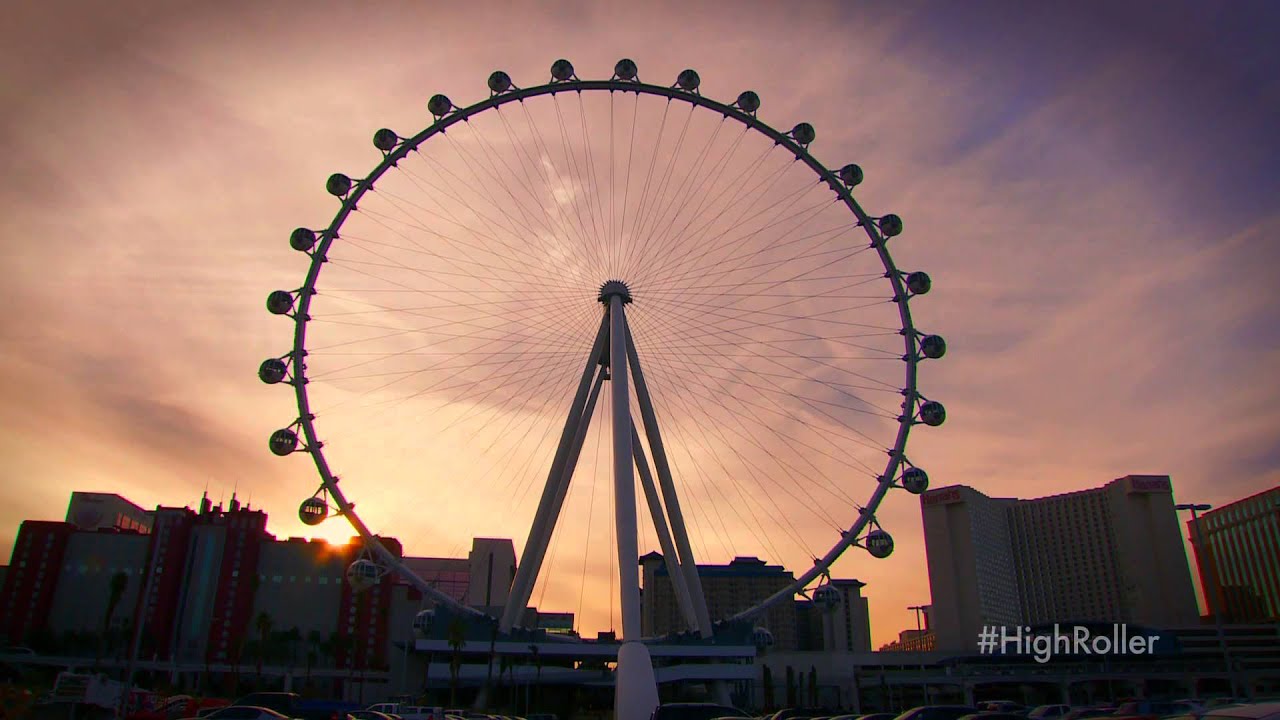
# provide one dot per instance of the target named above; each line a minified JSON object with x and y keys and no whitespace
{"x":1239,"y":562}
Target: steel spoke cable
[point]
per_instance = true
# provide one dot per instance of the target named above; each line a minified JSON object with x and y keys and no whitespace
{"x":662,"y":205}
{"x":541,"y":170}
{"x":781,"y":204}
{"x":578,"y":188}
{"x":544,"y":159}
{"x":705,"y":445}
{"x":806,"y":376}
{"x":688,"y":193}
{"x":748,"y":196}
{"x":644,"y":190}
{"x":500,"y":177}
{"x":756,"y":521}
{"x":696,"y":236}
{"x":593,"y":178}
{"x":734,"y":379}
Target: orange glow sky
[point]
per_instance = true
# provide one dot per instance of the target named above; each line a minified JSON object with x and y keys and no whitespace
{"x":1094,"y":196}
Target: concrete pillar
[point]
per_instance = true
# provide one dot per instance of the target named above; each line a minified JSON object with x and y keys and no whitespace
{"x":968,"y":694}
{"x":1064,"y":692}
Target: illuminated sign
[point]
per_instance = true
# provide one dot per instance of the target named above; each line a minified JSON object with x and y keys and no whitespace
{"x":941,"y":497}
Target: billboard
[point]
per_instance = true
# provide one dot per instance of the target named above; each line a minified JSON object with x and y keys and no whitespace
{"x":945,"y":496}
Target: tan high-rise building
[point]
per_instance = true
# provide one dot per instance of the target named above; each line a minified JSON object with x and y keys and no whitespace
{"x":728,"y":589}
{"x":1111,"y":554}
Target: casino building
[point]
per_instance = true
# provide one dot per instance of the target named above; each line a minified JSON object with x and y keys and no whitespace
{"x":1107,"y":554}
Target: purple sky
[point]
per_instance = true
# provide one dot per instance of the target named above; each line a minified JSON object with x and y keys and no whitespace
{"x":1093,"y":189}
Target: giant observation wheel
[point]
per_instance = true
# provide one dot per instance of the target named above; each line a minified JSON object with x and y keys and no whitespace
{"x":745,"y":309}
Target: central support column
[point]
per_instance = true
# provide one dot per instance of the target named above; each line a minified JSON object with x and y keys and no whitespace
{"x":624,"y":481}
{"x":636,"y":688}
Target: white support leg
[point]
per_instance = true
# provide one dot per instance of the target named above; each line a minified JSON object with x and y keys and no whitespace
{"x":535,"y":547}
{"x":687,"y":562}
{"x":669,"y":555}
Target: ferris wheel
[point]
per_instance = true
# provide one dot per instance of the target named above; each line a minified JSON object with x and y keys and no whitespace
{"x":496,"y":268}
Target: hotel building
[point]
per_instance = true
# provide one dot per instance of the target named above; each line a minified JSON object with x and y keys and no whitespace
{"x":1240,"y":562}
{"x":1112,"y":553}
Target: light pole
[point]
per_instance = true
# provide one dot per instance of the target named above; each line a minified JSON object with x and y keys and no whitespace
{"x":920,"y":648}
{"x":1216,"y":604}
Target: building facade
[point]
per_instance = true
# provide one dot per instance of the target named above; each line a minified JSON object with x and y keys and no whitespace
{"x":1112,"y":553}
{"x":728,"y":589}
{"x":98,"y":511}
{"x":1239,"y":560}
{"x":212,"y":586}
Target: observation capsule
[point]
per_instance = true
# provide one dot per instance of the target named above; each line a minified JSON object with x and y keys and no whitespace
{"x":890,"y":225}
{"x":626,"y":69}
{"x":827,"y":598}
{"x":439,"y":105}
{"x":561,"y":70}
{"x":338,"y":185}
{"x":280,"y":302}
{"x":283,"y":442}
{"x":688,"y":80}
{"x":919,"y":283}
{"x":933,"y":413}
{"x":499,"y":82}
{"x":272,"y":371}
{"x":362,"y":574}
{"x":302,"y":239}
{"x":879,"y":543}
{"x":385,"y":140}
{"x":762,"y":638}
{"x":803,"y":133}
{"x":915,"y":480}
{"x":313,"y":511}
{"x":933,"y":346}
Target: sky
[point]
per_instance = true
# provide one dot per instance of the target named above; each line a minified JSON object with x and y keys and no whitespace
{"x":1092,"y":189}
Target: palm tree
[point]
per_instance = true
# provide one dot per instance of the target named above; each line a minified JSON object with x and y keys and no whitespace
{"x":119,"y":581}
{"x":768,"y":688}
{"x":293,"y":638}
{"x":263,"y":624}
{"x":314,"y":641}
{"x":457,"y":638}
{"x":537,"y":677}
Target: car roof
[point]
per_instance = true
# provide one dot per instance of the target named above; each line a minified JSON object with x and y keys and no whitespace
{"x":1253,"y":712}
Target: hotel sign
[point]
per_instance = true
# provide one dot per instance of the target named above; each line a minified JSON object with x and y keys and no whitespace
{"x":941,"y":497}
{"x":1150,"y":485}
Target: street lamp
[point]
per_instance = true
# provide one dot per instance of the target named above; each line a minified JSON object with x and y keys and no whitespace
{"x":924,"y":683}
{"x":1196,"y":509}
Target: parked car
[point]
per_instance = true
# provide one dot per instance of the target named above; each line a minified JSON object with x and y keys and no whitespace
{"x":410,"y":712}
{"x":286,"y":703}
{"x":938,"y":712}
{"x":993,"y":716}
{"x":798,"y":714}
{"x":1002,"y":706}
{"x":1089,"y":712}
{"x":245,"y":712}
{"x":693,"y":711}
{"x":1253,"y":711}
{"x":1048,"y":712}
